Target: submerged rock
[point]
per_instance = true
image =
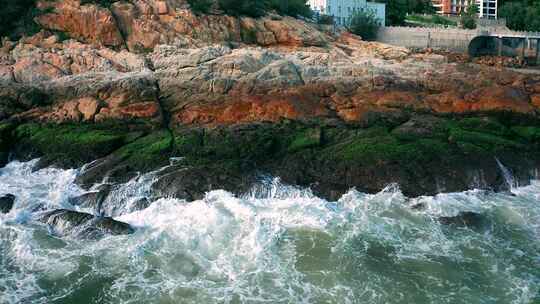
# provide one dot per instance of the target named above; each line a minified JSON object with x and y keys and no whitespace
{"x":6,"y":203}
{"x":67,"y":222}
{"x":466,"y":219}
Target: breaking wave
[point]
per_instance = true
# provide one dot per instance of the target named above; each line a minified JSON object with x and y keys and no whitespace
{"x":276,"y":244}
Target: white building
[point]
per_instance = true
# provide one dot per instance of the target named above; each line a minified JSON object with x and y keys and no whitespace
{"x":487,"y":9}
{"x":342,"y":10}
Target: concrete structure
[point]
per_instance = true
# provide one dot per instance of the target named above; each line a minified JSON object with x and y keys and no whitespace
{"x":487,"y":8}
{"x":481,"y":41}
{"x":342,"y":10}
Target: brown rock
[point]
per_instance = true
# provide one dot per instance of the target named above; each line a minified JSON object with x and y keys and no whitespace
{"x":498,"y":98}
{"x":89,"y":23}
{"x":88,"y":107}
{"x":535,"y":100}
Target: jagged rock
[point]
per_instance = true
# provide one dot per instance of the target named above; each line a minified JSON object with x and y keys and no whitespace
{"x":6,"y":203}
{"x":94,"y":97}
{"x":192,"y":183}
{"x":93,"y":199}
{"x":90,"y":23}
{"x":66,"y":222}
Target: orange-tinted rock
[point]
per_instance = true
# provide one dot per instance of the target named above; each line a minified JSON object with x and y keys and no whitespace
{"x":88,"y":108}
{"x":302,"y":73}
{"x":535,"y":100}
{"x":498,"y":98}
{"x":89,"y":23}
{"x":257,"y":108}
{"x":32,"y":70}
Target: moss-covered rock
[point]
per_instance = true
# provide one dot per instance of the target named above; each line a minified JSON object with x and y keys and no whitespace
{"x":146,"y":152}
{"x":68,"y":145}
{"x":305,"y":139}
{"x":529,"y":133}
{"x":424,"y":154}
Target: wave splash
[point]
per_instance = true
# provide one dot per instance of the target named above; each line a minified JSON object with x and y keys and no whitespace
{"x":276,"y":244}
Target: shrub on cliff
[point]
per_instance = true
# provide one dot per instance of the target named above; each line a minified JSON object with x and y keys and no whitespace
{"x":292,"y":8}
{"x":16,"y":17}
{"x":258,"y":8}
{"x":105,"y":3}
{"x":252,"y":8}
{"x":365,"y":25}
{"x":325,"y":19}
{"x":200,"y":6}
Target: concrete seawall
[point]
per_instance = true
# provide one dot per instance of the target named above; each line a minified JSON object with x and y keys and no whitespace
{"x":416,"y":37}
{"x":481,"y":41}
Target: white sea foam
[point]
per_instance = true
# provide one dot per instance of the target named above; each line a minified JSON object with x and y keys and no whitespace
{"x":276,"y":244}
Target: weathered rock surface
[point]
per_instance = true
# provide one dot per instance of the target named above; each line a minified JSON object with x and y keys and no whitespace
{"x":143,"y":24}
{"x":67,"y":222}
{"x":6,"y":203}
{"x":90,"y":23}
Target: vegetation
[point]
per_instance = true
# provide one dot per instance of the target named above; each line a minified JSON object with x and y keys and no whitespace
{"x":397,"y":10}
{"x":365,"y":25}
{"x":147,"y":152}
{"x":468,"y":18}
{"x":104,"y":3}
{"x":70,"y":143}
{"x":258,"y":8}
{"x":325,"y":19}
{"x":521,"y":15}
{"x":381,"y":143}
{"x":16,"y":18}
{"x":200,"y":6}
{"x":430,"y":19}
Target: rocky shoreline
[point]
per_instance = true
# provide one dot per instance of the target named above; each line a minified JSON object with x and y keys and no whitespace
{"x":146,"y":81}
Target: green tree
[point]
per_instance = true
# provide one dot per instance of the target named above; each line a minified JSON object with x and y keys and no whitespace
{"x":468,"y":18}
{"x":514,"y":13}
{"x":521,"y":15}
{"x":533,"y":18}
{"x":396,"y":11}
{"x":420,"y":7}
{"x":365,"y":25}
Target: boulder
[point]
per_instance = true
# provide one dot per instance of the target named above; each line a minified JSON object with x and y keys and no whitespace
{"x":67,"y":222}
{"x":92,"y":200}
{"x":90,"y":23}
{"x":192,"y":183}
{"x":6,"y":203}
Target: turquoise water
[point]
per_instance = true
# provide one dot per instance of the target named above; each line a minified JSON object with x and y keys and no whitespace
{"x":279,"y":244}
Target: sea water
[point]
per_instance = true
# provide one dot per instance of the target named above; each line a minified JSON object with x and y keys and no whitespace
{"x":276,"y":244}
